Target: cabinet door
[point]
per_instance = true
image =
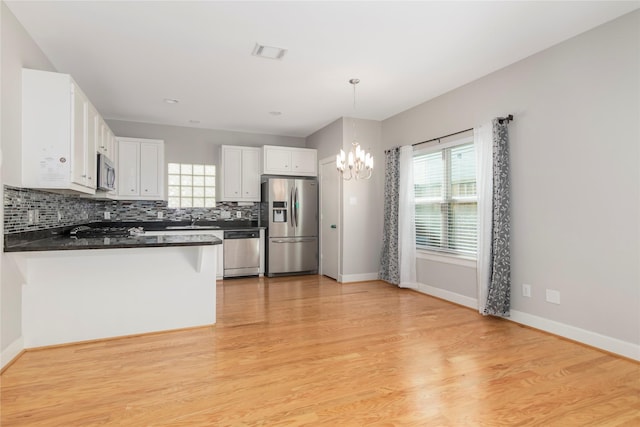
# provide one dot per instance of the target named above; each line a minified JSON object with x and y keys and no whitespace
{"x":304,"y":162}
{"x":251,"y":174}
{"x":277,"y":160}
{"x":90,"y":149}
{"x":127,"y":168}
{"x":110,"y":143}
{"x":103,"y":140}
{"x":231,"y":173}
{"x":149,"y":170}
{"x":79,"y":106}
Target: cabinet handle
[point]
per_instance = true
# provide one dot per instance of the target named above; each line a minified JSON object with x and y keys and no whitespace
{"x":84,"y":176}
{"x":131,"y":190}
{"x":145,"y":190}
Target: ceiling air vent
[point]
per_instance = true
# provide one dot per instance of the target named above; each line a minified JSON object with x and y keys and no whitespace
{"x":269,"y":52}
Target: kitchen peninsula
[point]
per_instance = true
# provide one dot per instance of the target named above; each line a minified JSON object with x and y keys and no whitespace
{"x":94,"y":288}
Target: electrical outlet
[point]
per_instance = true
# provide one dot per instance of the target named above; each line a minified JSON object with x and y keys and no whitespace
{"x":553,"y":296}
{"x":526,"y":290}
{"x":31,"y":217}
{"x":36,"y":216}
{"x":107,"y":215}
{"x":160,"y":214}
{"x":239,"y":214}
{"x":59,"y":216}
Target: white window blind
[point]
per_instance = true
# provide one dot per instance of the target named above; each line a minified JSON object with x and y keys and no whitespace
{"x":446,"y":201}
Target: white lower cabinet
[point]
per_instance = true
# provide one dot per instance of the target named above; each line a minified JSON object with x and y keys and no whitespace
{"x":140,"y":169}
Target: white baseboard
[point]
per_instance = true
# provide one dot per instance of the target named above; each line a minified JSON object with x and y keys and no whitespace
{"x":593,"y":339}
{"x":446,"y":295}
{"x":346,"y":278}
{"x":11,"y":352}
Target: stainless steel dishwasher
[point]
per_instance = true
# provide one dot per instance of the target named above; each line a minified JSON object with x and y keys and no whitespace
{"x":241,"y":253}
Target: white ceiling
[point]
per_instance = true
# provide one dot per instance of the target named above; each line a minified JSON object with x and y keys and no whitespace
{"x":130,"y":55}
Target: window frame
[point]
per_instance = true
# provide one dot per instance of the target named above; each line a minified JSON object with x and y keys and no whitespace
{"x":446,"y":253}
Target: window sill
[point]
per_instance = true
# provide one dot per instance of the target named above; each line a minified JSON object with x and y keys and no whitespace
{"x":446,"y":258}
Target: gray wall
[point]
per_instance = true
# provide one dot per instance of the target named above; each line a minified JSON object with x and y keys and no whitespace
{"x":362,"y":206}
{"x":575,"y":175}
{"x":328,"y":140}
{"x":18,"y":50}
{"x":191,"y":145}
{"x":361,"y":223}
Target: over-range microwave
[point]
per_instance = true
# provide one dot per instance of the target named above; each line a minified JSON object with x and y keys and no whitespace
{"x":106,"y":173}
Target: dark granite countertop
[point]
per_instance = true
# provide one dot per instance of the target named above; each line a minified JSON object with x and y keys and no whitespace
{"x":161,"y":225}
{"x":57,"y":239}
{"x":52,"y":241}
{"x":65,"y":242}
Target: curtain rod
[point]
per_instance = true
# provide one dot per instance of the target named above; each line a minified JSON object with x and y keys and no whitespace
{"x":508,"y":119}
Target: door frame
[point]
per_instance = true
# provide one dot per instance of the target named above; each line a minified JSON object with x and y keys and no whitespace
{"x":321,"y":163}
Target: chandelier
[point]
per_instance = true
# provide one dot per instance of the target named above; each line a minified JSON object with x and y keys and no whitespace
{"x":358,"y":163}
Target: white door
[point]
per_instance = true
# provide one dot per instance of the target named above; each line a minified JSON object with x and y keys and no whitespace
{"x":330,"y":187}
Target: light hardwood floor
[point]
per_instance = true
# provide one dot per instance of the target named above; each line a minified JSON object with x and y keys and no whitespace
{"x":308,"y":351}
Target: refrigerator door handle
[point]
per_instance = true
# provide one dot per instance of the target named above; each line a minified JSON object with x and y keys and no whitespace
{"x":295,"y":205}
{"x":291,"y":209}
{"x":307,"y":239}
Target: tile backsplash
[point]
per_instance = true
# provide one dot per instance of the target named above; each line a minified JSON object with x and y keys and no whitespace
{"x":52,"y":210}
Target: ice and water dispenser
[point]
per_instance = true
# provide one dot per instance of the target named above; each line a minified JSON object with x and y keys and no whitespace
{"x":279,"y":212}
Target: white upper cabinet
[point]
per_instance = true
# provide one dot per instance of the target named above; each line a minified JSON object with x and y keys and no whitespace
{"x":58,"y":136}
{"x":240,"y":174}
{"x":289,"y":161}
{"x":105,"y":139}
{"x":140,"y":169}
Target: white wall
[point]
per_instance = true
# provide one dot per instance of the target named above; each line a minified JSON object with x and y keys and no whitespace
{"x":17,"y":50}
{"x":575,"y":163}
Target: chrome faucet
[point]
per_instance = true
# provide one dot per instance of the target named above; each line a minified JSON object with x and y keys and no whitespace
{"x":194,"y":220}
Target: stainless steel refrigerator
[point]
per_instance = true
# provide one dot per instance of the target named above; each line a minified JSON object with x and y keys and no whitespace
{"x":289,"y":210}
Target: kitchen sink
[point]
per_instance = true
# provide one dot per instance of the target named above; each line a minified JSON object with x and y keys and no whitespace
{"x":193,"y":227}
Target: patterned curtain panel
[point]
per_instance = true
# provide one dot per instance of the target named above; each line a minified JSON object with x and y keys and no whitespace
{"x":499,"y":292}
{"x":389,"y":269}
